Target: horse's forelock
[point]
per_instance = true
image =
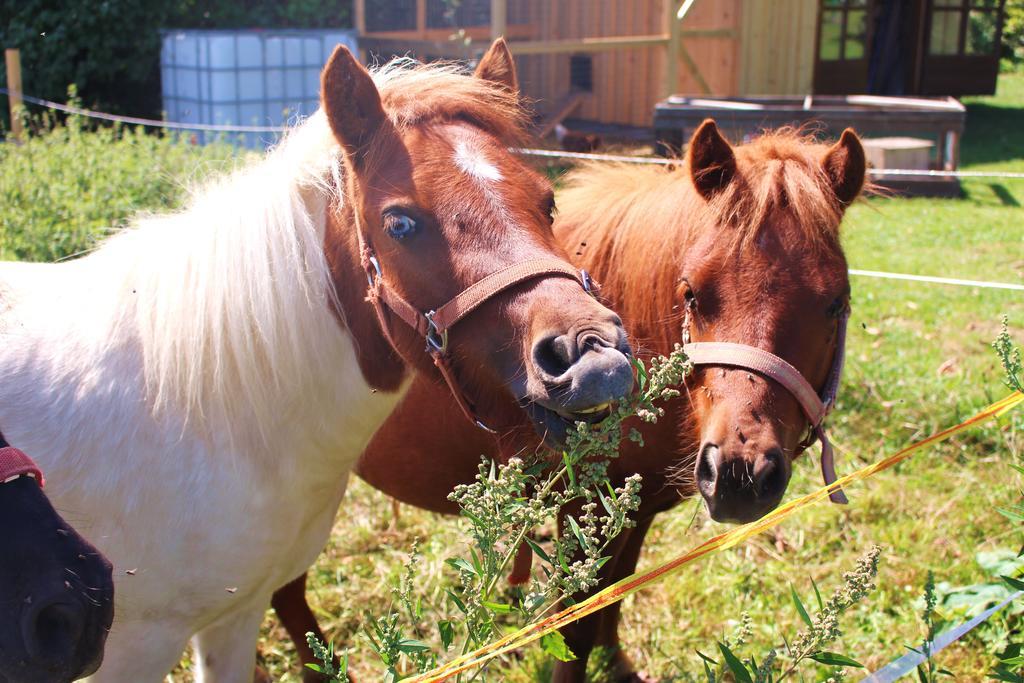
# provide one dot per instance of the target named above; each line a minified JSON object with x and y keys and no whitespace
{"x":780,"y":170}
{"x":417,"y":94}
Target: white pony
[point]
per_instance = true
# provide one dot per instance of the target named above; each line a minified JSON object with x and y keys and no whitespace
{"x":198,"y":389}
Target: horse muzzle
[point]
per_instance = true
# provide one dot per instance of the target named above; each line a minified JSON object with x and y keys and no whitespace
{"x":741,"y":489}
{"x":576,"y":377}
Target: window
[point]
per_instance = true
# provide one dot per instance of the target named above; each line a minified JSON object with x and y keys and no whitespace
{"x":964,"y":27}
{"x":844,"y":28}
{"x":399,"y":15}
{"x":448,"y":14}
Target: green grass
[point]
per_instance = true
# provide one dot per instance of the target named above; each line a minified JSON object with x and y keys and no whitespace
{"x":918,"y":360}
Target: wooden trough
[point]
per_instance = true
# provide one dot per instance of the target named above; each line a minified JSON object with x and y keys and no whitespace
{"x":939,"y":120}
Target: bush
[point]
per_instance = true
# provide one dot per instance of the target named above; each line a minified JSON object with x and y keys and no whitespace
{"x":1013,"y":32}
{"x":68,"y":186}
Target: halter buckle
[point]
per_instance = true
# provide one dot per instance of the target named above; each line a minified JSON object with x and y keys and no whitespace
{"x":376,"y":266}
{"x":484,"y":427}
{"x":586,"y":282}
{"x":437,"y":341}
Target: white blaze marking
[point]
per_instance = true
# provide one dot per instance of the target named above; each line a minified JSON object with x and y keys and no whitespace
{"x":472,"y":162}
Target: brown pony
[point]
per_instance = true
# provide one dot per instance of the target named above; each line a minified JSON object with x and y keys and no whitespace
{"x":739,"y":245}
{"x":422,"y":227}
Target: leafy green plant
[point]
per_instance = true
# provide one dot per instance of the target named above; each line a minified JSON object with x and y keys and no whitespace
{"x":499,"y":510}
{"x":1011,"y":660}
{"x":1013,"y":377}
{"x":68,"y":186}
{"x":1013,"y":32}
{"x":325,"y":655}
{"x":822,"y":630}
{"x":1009,"y":358}
{"x":928,"y":671}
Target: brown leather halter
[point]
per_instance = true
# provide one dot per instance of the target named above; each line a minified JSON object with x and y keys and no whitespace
{"x":435,"y":324}
{"x":815,"y":407}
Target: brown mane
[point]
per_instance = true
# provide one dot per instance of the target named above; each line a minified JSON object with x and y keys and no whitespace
{"x":415,"y":94}
{"x":627,"y":222}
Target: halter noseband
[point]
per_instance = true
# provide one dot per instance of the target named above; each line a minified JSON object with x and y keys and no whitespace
{"x":815,"y":408}
{"x":15,"y":464}
{"x":434,"y":325}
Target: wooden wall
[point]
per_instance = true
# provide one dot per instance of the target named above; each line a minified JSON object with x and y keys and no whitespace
{"x":739,"y":47}
{"x":627,"y":83}
{"x":777,"y":47}
{"x":717,"y":58}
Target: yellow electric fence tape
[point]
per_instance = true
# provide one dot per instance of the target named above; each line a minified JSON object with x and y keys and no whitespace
{"x":632,"y":584}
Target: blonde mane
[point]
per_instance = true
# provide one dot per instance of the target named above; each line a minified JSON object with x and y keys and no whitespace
{"x":231,"y":296}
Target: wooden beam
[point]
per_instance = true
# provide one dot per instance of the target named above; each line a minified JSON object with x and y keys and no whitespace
{"x":540,"y":47}
{"x":13,"y":59}
{"x":707,"y":33}
{"x":481,"y":33}
{"x":673,"y":46}
{"x":694,"y":70}
{"x":446,"y":49}
{"x":360,"y":24}
{"x":560,"y":112}
{"x":499,"y":18}
{"x":923,"y":103}
{"x":360,"y":21}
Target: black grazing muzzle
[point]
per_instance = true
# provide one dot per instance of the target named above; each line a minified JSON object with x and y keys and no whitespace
{"x":56,"y":592}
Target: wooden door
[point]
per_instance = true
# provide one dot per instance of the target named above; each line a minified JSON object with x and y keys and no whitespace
{"x":843,"y":47}
{"x":961,"y":47}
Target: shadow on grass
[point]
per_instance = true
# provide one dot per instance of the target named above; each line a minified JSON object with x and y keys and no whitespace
{"x":1004,"y":195}
{"x":993,"y":134}
{"x":989,"y":194}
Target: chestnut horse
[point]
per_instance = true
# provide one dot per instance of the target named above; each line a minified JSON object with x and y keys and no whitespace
{"x":56,"y":588}
{"x":199,"y":388}
{"x":738,"y":245}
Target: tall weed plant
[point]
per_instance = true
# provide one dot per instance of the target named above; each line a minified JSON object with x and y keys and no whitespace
{"x":509,"y":501}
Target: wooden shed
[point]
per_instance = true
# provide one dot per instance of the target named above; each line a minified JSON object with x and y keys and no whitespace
{"x":610,"y":61}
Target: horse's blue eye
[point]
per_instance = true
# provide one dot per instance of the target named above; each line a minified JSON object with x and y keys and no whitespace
{"x":399,"y":226}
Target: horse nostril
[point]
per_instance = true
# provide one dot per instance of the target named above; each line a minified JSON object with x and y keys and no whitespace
{"x":53,"y":630}
{"x":770,"y":478}
{"x":554,"y":355}
{"x":588,"y":342}
{"x":707,"y":470}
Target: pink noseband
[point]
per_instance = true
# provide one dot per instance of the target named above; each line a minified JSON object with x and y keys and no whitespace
{"x":816,"y":408}
{"x":14,"y":464}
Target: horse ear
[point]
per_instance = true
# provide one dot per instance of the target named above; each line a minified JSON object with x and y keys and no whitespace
{"x":351,"y":101}
{"x":845,"y":167}
{"x":712,"y":163}
{"x":498,"y":67}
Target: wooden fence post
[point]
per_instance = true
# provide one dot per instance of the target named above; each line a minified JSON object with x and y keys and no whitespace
{"x":671,"y":48}
{"x":499,"y":18}
{"x":13,"y":59}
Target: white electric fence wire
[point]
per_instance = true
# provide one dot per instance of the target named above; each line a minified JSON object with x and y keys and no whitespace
{"x":549,"y":153}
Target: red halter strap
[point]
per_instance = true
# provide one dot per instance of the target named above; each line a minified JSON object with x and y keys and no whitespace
{"x":434,"y":325}
{"x":15,"y":464}
{"x":815,"y":408}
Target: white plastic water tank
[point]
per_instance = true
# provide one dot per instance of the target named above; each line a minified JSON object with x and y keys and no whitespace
{"x":252,"y":77}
